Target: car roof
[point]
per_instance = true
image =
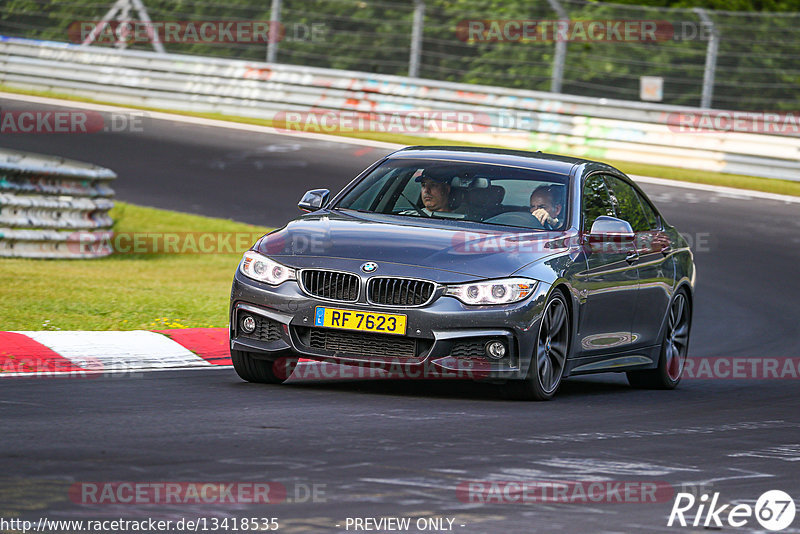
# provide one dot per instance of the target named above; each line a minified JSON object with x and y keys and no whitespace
{"x":499,"y":156}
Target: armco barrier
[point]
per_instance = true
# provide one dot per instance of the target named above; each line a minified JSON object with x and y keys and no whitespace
{"x":47,"y":202}
{"x":591,"y":127}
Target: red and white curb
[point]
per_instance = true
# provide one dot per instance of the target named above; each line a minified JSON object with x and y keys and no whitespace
{"x":87,"y":353}
{"x":90,"y":354}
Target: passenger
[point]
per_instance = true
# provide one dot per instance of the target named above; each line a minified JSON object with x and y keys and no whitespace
{"x":547,"y":205}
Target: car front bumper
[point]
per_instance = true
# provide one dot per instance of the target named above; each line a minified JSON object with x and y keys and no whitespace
{"x":443,"y":338}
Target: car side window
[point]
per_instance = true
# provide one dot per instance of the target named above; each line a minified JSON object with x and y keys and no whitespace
{"x":649,"y":212}
{"x":596,"y":201}
{"x":629,"y":208}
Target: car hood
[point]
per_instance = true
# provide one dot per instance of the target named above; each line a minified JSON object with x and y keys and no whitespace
{"x":334,"y":239}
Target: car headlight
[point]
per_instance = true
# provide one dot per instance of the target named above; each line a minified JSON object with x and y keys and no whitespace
{"x":504,"y":291}
{"x":263,"y":269}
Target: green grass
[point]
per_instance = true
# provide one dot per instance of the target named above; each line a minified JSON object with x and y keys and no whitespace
{"x":126,"y":291}
{"x":783,"y":187}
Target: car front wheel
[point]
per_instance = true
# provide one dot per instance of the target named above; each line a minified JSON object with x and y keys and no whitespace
{"x":549,"y":354}
{"x":262,"y":371}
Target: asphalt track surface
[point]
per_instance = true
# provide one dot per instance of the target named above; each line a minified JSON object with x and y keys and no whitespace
{"x":402,"y":448}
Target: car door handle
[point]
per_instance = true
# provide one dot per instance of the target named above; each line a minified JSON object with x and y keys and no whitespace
{"x":666,"y":251}
{"x":632,"y":257}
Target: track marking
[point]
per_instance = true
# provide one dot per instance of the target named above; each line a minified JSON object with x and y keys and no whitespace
{"x":120,"y":372}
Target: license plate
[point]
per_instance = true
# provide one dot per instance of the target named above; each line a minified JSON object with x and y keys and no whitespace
{"x":384,"y":323}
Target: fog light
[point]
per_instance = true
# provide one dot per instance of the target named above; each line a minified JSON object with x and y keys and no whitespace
{"x":495,"y":350}
{"x":248,"y":324}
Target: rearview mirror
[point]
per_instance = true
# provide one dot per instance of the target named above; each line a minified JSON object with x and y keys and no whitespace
{"x":314,"y":199}
{"x":605,"y":225}
{"x":467,"y":181}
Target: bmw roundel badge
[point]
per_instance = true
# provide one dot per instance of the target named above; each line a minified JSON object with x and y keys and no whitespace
{"x":369,"y":267}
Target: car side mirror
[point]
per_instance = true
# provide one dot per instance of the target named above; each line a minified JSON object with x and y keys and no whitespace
{"x":314,"y":199}
{"x":611,"y":226}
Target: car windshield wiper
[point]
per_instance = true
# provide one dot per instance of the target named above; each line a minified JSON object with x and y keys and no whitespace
{"x":352,"y":209}
{"x":398,"y":214}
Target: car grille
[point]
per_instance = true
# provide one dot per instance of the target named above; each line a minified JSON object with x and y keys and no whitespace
{"x":399,"y":291}
{"x":331,"y":285}
{"x":371,"y":345}
{"x":266,"y":329}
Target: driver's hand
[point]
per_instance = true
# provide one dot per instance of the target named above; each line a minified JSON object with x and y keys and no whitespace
{"x":543,"y":217}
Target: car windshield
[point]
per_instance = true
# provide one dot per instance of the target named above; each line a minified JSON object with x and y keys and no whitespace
{"x":477,"y":192}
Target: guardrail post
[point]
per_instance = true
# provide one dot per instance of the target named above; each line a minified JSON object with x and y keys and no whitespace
{"x":561,"y":50}
{"x":272,"y":42}
{"x":711,"y":59}
{"x":416,"y":38}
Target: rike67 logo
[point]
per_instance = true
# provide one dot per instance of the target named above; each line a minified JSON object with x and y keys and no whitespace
{"x":774,"y":510}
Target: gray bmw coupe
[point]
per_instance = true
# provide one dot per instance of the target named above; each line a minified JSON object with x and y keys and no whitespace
{"x":516,"y":267}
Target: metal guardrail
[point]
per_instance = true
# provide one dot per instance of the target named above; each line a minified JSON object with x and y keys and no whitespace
{"x":591,"y":127}
{"x":51,"y":207}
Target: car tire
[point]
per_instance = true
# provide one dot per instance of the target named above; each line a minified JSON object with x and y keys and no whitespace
{"x":262,"y":371}
{"x":550,"y":353}
{"x":674,"y":348}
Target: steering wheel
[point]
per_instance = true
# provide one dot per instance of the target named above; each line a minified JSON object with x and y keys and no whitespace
{"x":516,"y":218}
{"x":414,"y":205}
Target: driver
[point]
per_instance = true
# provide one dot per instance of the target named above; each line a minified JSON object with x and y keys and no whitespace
{"x":547,"y":206}
{"x":435,"y":194}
